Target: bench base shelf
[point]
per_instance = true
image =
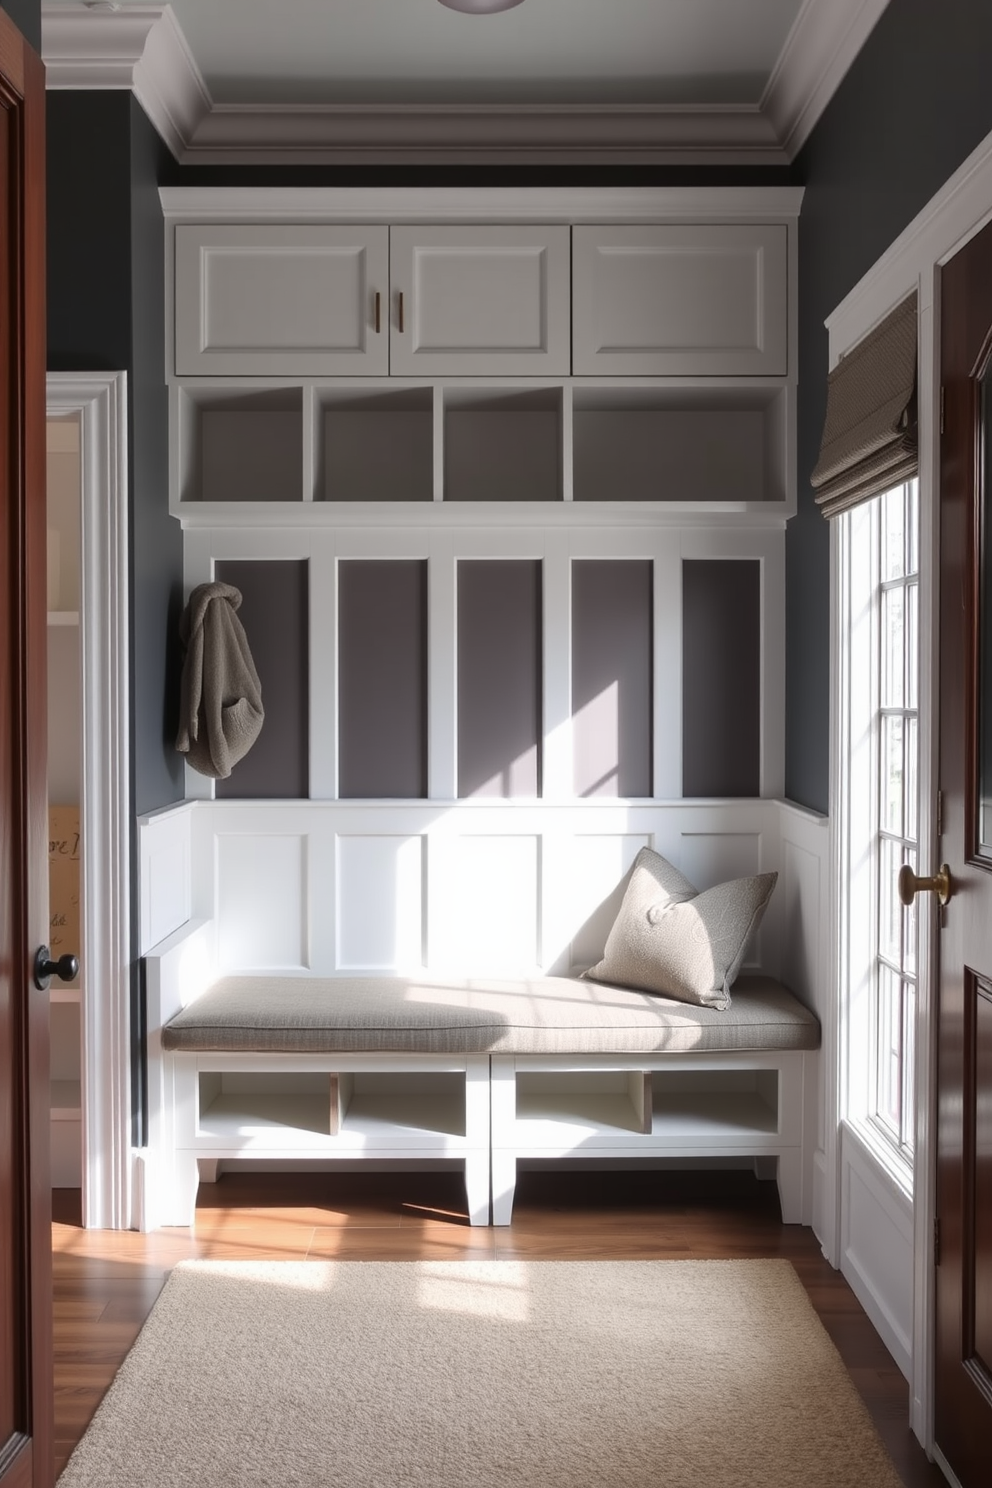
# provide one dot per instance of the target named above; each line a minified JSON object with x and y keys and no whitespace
{"x":682,"y":1107}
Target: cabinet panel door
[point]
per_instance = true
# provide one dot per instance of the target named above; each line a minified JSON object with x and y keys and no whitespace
{"x":281,"y":300}
{"x":479,"y":301}
{"x":680,"y":301}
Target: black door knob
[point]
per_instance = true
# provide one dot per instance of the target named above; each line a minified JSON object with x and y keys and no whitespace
{"x":66,"y":968}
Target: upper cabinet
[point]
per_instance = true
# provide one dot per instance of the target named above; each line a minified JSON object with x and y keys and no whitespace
{"x":291,"y":300}
{"x":683,"y":301}
{"x":425,"y":356}
{"x":283,"y":300}
{"x":479,"y":301}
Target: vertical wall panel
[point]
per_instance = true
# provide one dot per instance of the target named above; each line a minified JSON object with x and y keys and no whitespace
{"x":597,"y":880}
{"x":721,"y":677}
{"x":611,"y":677}
{"x":499,"y":677}
{"x":488,"y":887}
{"x":380,"y":903}
{"x":275,"y":614}
{"x":262,"y":901}
{"x":382,"y":671}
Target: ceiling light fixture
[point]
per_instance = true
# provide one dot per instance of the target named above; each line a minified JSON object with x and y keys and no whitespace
{"x":480,"y":7}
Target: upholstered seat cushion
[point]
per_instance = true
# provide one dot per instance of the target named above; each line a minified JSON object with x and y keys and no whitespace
{"x":425,"y":1015}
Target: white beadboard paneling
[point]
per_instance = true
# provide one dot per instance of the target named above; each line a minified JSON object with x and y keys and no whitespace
{"x":380,"y":903}
{"x":164,"y":887}
{"x":484,"y":903}
{"x":877,"y":1246}
{"x":262,"y":902}
{"x":597,"y":868}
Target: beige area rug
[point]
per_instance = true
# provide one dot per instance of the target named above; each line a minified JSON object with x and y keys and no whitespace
{"x":546,"y":1374}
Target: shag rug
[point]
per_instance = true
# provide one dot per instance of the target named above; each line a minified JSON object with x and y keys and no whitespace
{"x":497,"y":1374}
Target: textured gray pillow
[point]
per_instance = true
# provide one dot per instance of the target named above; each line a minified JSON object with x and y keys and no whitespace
{"x":669,"y":938}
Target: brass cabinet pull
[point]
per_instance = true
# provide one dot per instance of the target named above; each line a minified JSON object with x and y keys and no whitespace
{"x":909,"y":885}
{"x":378,"y":312}
{"x":399,"y":313}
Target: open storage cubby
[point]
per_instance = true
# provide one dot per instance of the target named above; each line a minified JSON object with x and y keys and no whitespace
{"x":715,"y":1103}
{"x":584,"y":1107}
{"x":603,"y":1102}
{"x":238,"y":445}
{"x":503,"y":444}
{"x":319,"y":1109}
{"x":636,"y":442}
{"x":374,"y":444}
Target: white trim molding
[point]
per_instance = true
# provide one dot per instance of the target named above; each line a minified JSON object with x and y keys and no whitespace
{"x":99,"y":401}
{"x":823,"y":42}
{"x":486,"y":204}
{"x":143,"y":48}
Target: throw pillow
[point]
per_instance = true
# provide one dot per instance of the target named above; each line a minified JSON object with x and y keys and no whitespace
{"x":670,"y":939}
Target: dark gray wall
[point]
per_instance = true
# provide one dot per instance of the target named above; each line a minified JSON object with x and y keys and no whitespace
{"x":106,"y":313}
{"x":721,"y":677}
{"x":26,"y":16}
{"x":915,"y":103}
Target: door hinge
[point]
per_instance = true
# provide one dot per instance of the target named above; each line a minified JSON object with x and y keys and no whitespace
{"x":936,"y":1241}
{"x":941,"y":408}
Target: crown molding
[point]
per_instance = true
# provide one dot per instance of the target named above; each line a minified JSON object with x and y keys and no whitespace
{"x":143,"y":49}
{"x":498,"y":134}
{"x":826,"y":37}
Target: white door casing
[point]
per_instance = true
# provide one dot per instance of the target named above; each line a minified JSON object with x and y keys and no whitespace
{"x":99,"y":401}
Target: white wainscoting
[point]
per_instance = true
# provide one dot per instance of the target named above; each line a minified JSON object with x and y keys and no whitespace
{"x":329,"y":887}
{"x":803,"y":895}
{"x":876,"y":1222}
{"x":164,"y":872}
{"x":521,"y":887}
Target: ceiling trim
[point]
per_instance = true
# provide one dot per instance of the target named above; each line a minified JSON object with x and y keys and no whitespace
{"x":143,"y":49}
{"x":507,"y":134}
{"x":824,"y":41}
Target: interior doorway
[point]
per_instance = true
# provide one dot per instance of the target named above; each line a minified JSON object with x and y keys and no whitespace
{"x":94,"y":405}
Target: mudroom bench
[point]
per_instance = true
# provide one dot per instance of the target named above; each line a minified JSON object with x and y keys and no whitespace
{"x":487,"y":1071}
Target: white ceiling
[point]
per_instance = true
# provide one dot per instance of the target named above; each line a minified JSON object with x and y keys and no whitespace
{"x":544,"y":51}
{"x":597,"y":80}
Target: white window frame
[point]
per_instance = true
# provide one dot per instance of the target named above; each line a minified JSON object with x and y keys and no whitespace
{"x":860,"y":588}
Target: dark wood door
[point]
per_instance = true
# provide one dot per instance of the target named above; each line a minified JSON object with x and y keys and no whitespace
{"x":25,"y":1196}
{"x":963,"y":1365}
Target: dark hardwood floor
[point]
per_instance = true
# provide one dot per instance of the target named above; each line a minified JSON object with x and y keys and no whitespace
{"x":106,"y":1282}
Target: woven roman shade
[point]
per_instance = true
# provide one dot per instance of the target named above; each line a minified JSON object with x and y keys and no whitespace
{"x":869,"y":435}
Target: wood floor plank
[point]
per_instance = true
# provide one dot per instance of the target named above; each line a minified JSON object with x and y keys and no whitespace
{"x":106,"y":1283}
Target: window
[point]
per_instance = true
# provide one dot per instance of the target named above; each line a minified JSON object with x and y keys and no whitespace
{"x":879,"y":667}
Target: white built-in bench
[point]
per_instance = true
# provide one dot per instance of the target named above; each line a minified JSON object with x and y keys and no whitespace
{"x":484,"y":1070}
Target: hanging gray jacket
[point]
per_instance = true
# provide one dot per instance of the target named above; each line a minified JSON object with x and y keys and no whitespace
{"x":220,"y":710}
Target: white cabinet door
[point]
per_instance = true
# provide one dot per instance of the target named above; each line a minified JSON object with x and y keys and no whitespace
{"x":680,"y":301}
{"x":281,"y":300}
{"x":479,"y":301}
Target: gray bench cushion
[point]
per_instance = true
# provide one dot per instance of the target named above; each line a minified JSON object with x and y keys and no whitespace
{"x":543,"y":1015}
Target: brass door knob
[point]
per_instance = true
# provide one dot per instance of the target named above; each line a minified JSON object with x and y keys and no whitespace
{"x":909,"y":885}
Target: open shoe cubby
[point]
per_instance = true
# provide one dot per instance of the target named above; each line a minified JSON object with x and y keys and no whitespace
{"x":713,"y":445}
{"x":321,"y":1110}
{"x":678,"y":1105}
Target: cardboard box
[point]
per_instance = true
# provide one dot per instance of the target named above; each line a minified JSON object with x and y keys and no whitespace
{"x":65,"y":930}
